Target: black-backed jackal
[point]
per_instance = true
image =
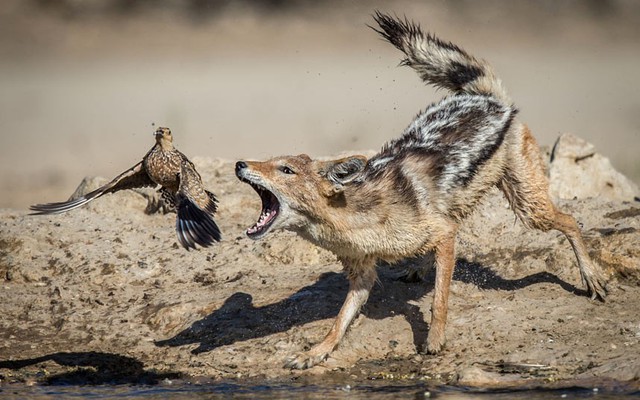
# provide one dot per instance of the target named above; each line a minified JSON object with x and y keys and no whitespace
{"x":409,"y":199}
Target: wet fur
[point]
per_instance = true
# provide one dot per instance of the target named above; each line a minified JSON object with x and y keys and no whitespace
{"x":409,"y":199}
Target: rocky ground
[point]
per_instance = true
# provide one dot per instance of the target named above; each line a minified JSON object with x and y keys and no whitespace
{"x":104,"y":294}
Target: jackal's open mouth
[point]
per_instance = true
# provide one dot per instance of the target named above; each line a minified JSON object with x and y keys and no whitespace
{"x":270,"y":210}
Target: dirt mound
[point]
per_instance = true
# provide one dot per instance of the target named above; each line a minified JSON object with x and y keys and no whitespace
{"x":105,"y":294}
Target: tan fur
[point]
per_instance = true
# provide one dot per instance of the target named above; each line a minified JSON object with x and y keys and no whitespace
{"x":365,"y":223}
{"x":409,"y":199}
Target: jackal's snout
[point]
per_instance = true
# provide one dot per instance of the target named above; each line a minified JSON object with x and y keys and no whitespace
{"x":240,"y":165}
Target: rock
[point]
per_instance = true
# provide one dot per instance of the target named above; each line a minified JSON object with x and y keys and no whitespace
{"x":578,"y":171}
{"x":129,"y":198}
{"x":620,"y":256}
{"x":167,"y":318}
{"x":88,"y":184}
{"x":620,"y":370}
{"x":479,"y":378}
{"x":128,"y":290}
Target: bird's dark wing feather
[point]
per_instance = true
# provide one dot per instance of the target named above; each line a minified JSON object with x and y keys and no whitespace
{"x":168,"y":197}
{"x":212,"y":204}
{"x":134,"y":177}
{"x":195,"y":207}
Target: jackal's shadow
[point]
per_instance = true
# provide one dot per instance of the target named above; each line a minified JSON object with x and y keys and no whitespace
{"x":239,"y":320}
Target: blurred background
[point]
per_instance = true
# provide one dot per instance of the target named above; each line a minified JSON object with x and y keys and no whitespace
{"x":82,"y":81}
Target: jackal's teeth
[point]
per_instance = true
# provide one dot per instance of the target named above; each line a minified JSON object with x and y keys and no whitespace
{"x":269,"y":212}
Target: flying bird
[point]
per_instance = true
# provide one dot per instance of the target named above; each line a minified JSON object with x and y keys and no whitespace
{"x":180,"y":184}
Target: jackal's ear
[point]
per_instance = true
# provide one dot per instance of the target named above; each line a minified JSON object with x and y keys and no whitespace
{"x":346,"y":169}
{"x":304,"y":157}
{"x":342,"y":171}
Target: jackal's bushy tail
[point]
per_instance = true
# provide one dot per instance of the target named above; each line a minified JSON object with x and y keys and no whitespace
{"x":440,"y":63}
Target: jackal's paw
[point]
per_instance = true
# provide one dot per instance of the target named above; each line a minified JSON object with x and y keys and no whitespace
{"x":596,"y":284}
{"x":433,"y":345}
{"x":305,"y":360}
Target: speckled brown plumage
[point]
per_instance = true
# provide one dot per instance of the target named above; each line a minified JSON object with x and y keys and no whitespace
{"x":163,"y":165}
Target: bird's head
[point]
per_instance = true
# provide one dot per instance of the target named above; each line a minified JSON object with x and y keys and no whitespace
{"x":163,"y":137}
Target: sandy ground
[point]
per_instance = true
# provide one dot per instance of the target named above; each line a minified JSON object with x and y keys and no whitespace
{"x":104,"y":294}
{"x":79,"y":94}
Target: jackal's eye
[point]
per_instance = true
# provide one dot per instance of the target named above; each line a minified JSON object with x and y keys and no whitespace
{"x":287,"y":170}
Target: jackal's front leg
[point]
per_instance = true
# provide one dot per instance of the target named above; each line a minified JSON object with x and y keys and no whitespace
{"x":445,"y":263}
{"x":361,"y":280}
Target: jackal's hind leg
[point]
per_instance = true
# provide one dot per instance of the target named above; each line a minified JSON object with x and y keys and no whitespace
{"x":591,"y":274}
{"x":416,"y":270}
{"x":526,"y":187}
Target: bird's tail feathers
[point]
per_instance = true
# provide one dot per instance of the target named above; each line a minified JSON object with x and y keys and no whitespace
{"x":194,"y":225}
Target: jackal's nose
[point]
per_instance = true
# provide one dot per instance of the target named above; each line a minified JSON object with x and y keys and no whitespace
{"x":240,"y":165}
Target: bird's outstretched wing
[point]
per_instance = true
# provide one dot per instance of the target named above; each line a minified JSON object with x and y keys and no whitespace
{"x":134,"y":177}
{"x":195,"y":207}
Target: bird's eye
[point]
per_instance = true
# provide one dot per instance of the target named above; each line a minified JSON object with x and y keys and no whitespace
{"x":287,"y":170}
